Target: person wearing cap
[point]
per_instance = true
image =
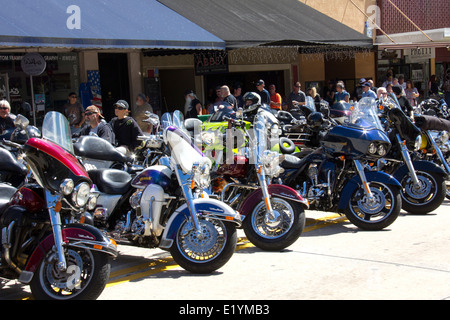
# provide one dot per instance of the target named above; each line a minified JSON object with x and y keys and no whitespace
{"x":263,"y":93}
{"x":367,"y":92}
{"x":357,"y":93}
{"x":125,"y":128}
{"x":403,"y":102}
{"x":96,"y":126}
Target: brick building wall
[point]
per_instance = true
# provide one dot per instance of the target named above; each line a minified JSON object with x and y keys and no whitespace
{"x":427,"y":14}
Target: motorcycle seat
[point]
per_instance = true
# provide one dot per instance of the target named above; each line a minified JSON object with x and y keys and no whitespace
{"x":97,"y":148}
{"x":111,"y":181}
{"x":292,"y":162}
{"x":9,"y":164}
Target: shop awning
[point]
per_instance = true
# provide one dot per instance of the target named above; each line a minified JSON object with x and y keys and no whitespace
{"x":105,"y":24}
{"x":435,"y":38}
{"x":267,"y":22}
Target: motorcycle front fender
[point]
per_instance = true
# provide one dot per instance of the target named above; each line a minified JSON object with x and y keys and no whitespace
{"x":278,"y":190}
{"x":205,"y":208}
{"x":355,"y":182}
{"x":73,"y":235}
{"x":421,"y":165}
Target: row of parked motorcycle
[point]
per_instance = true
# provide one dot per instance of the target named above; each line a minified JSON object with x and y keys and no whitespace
{"x":64,"y":204}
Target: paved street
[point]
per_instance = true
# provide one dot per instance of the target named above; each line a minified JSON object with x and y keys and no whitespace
{"x":332,"y":260}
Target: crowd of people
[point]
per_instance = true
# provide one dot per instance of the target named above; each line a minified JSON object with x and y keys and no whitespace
{"x":123,"y":130}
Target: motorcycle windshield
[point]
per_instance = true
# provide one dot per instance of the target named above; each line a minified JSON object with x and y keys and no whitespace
{"x":166,"y":120}
{"x":183,"y":151}
{"x":55,"y":128}
{"x":261,"y":136}
{"x":365,"y":114}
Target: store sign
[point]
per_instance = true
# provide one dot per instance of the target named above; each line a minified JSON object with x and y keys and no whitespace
{"x":210,"y":62}
{"x":418,"y":55}
{"x":33,"y":64}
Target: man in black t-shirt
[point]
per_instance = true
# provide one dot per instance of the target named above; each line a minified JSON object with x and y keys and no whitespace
{"x":125,"y":128}
{"x":263,"y":93}
{"x":228,"y":97}
{"x":6,"y":121}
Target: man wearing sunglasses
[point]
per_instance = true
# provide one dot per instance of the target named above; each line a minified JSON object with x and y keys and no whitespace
{"x":125,"y":128}
{"x":74,"y":112}
{"x":95,"y":126}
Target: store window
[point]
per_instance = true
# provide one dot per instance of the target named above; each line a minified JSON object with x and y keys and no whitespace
{"x":51,"y":88}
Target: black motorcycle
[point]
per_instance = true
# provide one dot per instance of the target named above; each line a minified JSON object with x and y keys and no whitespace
{"x":423,"y":182}
{"x":334,"y":177}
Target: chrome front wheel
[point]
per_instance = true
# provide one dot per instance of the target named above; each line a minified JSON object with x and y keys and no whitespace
{"x":277,"y":231}
{"x":206,"y":251}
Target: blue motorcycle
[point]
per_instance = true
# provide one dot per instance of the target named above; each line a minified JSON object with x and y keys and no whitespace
{"x":336,"y":177}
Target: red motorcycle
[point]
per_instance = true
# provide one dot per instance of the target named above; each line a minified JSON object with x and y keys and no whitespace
{"x":43,"y":242}
{"x":273,"y":214}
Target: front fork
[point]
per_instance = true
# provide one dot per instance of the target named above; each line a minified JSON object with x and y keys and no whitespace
{"x":271,"y":215}
{"x":363,"y":178}
{"x":54,"y":207}
{"x":408,"y":161}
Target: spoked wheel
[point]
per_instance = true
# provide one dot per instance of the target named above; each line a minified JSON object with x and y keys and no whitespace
{"x":427,"y":197}
{"x":205,"y":252}
{"x":274,"y":233}
{"x":376,"y":213}
{"x":84,"y":279}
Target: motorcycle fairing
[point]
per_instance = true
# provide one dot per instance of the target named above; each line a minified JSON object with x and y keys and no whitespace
{"x":184,"y":151}
{"x":58,"y":153}
{"x":74,"y":235}
{"x":278,"y":190}
{"x":355,"y":182}
{"x":204,"y":207}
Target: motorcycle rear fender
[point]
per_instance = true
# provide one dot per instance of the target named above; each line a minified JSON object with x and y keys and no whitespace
{"x":277,"y":190}
{"x":74,"y":235}
{"x":355,"y":182}
{"x":421,"y":165}
{"x":204,"y":207}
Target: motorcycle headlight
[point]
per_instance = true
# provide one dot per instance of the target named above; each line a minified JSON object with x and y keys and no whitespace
{"x":66,"y":187}
{"x":92,"y":202}
{"x":418,"y":142}
{"x":208,"y":137}
{"x":80,"y":195}
{"x":201,"y":175}
{"x":270,"y":161}
{"x":381,"y":150}
{"x":372,"y":148}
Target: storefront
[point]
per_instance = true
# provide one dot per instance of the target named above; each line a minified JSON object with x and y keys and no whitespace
{"x":51,"y":88}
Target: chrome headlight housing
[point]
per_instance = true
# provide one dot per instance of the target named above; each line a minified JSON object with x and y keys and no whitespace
{"x":81,"y":193}
{"x":270,"y":162}
{"x":381,"y":150}
{"x":372,"y":149}
{"x":66,"y":187}
{"x":208,"y":137}
{"x":201,"y":174}
{"x":418,"y":142}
